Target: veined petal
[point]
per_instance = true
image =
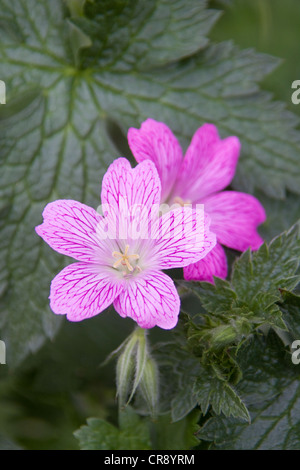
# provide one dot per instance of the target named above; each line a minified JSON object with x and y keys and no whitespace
{"x":214,"y":264}
{"x":155,"y":141}
{"x":208,"y":166}
{"x":75,"y":230}
{"x":182,"y":236}
{"x":130,"y":197}
{"x":151,"y":299}
{"x":234,"y":218}
{"x":83,"y":290}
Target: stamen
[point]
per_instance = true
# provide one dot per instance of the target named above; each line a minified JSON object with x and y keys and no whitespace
{"x":124,"y":259}
{"x":180,"y":201}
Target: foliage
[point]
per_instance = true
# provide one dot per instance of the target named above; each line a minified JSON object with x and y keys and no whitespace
{"x":78,"y":74}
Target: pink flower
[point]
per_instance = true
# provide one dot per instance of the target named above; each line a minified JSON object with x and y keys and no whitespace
{"x":117,"y":261}
{"x":207,"y":168}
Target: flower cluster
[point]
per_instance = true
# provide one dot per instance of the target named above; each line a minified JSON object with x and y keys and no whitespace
{"x":121,"y":253}
{"x":200,"y":177}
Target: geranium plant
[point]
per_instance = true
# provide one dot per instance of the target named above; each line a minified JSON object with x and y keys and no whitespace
{"x":150,"y":247}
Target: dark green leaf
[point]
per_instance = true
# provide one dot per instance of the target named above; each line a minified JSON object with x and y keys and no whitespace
{"x":220,"y":395}
{"x":281,"y":214}
{"x":235,"y":309}
{"x":146,"y":34}
{"x":291,"y":315}
{"x":269,"y":268}
{"x":176,"y":436}
{"x":271,"y":389}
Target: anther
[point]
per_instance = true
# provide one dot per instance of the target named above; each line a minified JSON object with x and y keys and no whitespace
{"x":123,"y":258}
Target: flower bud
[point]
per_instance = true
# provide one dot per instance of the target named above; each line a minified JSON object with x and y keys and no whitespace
{"x":149,"y":385}
{"x":223,"y":335}
{"x":125,"y":370}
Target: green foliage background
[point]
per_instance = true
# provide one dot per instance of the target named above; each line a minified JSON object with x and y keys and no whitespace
{"x":78,"y":74}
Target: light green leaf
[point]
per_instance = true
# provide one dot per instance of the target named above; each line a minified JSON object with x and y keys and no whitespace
{"x":133,"y":433}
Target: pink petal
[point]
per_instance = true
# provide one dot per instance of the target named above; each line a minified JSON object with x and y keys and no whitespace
{"x":234,"y":218}
{"x":182,"y":237}
{"x":83,"y":290}
{"x":75,"y":230}
{"x":129,"y":195}
{"x":208,"y":166}
{"x":155,"y":141}
{"x":214,"y":264}
{"x":150,"y":299}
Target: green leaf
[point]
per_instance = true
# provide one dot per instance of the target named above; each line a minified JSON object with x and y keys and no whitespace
{"x":219,"y":85}
{"x":281,"y":214}
{"x":146,"y":34}
{"x":269,"y":268}
{"x":220,"y":395}
{"x":187,"y":383}
{"x":289,"y":298}
{"x":271,"y":389}
{"x":291,"y":315}
{"x":133,"y":433}
{"x":76,"y":7}
{"x":176,"y":436}
{"x":178,"y":371}
{"x":235,"y":309}
{"x":215,"y":298}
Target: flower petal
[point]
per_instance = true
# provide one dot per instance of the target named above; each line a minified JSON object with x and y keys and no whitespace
{"x":214,"y":264}
{"x":83,"y":290}
{"x":234,"y":218}
{"x":150,"y":299}
{"x":182,"y":237}
{"x":208,"y":166}
{"x":75,"y":230}
{"x":129,"y":196}
{"x":155,"y":141}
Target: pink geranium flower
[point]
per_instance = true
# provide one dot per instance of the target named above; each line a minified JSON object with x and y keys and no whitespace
{"x":200,"y":177}
{"x":120,"y":256}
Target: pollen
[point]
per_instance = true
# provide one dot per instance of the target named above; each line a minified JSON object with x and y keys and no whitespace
{"x":123,"y":259}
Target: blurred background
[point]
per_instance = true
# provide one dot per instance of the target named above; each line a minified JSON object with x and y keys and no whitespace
{"x":269,"y":26}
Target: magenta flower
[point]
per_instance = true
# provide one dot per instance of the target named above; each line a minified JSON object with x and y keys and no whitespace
{"x":207,"y":168}
{"x":120,"y":256}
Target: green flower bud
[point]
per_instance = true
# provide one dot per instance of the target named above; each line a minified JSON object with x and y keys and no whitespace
{"x":222,"y":335}
{"x":125,"y":370}
{"x":149,"y":385}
